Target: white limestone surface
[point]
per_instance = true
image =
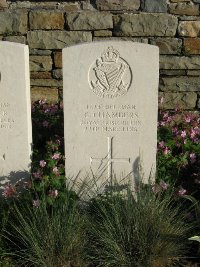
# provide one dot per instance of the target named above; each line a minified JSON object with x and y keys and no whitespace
{"x":110,"y":109}
{"x":15,"y":112}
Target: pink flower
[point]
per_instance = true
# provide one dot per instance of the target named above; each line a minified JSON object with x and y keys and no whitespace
{"x":175,"y":130}
{"x":193,"y":134}
{"x":37,"y":175}
{"x":9,"y":191}
{"x":42,"y":101}
{"x":56,"y":171}
{"x":188,"y":118}
{"x":164,"y":185}
{"x":193,"y":158}
{"x":42,"y":163}
{"x":181,"y":192}
{"x":166,"y":150}
{"x":183,"y":134}
{"x":161,"y":144}
{"x":53,"y":193}
{"x":56,"y":156}
{"x":36,"y":203}
{"x":45,"y":124}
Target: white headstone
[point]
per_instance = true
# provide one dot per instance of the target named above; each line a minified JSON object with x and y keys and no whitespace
{"x":110,"y":108}
{"x":15,"y":112}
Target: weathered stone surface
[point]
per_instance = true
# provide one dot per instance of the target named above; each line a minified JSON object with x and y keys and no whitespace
{"x":154,"y":6}
{"x":181,"y":83}
{"x":187,"y":8}
{"x":48,"y":93}
{"x":192,"y":46}
{"x":103,"y":33}
{"x":189,"y":28}
{"x":39,"y":52}
{"x":188,"y":18}
{"x":57,"y":57}
{"x":132,"y":39}
{"x":69,"y":7}
{"x":16,"y":39}
{"x":87,"y":6}
{"x":40,"y":63}
{"x":45,"y":19}
{"x":89,"y":20}
{"x":57,"y":74}
{"x":172,"y":72}
{"x":168,"y":45}
{"x":145,"y":25}
{"x":118,"y":4}
{"x":13,"y":22}
{"x":196,"y":1}
{"x":46,"y":83}
{"x":3,"y":4}
{"x":41,"y":75}
{"x":184,"y":100}
{"x":56,"y":39}
{"x":174,"y":62}
{"x":193,"y":73}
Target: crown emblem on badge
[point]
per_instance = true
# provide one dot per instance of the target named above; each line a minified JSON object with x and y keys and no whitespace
{"x":112,"y":75}
{"x":110,"y":55}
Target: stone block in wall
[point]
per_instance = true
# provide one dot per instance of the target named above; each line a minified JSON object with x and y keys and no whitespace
{"x":168,"y":45}
{"x":103,"y":33}
{"x":193,"y":73}
{"x":40,"y":63}
{"x":88,"y":20}
{"x":57,"y":74}
{"x":46,"y":19}
{"x":181,"y":83}
{"x":192,"y":46}
{"x":118,"y":4}
{"x":185,"y":8}
{"x":48,"y":93}
{"x":189,"y":28}
{"x":13,"y":22}
{"x":69,"y":7}
{"x":16,"y":39}
{"x":196,"y":1}
{"x":131,"y":39}
{"x":57,"y":58}
{"x":175,"y":62}
{"x":145,"y":24}
{"x":46,"y":83}
{"x":41,"y":75}
{"x":56,"y":39}
{"x":154,"y":6}
{"x":3,"y":4}
{"x":184,"y":100}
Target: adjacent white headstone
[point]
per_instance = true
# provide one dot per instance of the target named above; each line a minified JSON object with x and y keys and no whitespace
{"x":110,"y":108}
{"x":15,"y":112}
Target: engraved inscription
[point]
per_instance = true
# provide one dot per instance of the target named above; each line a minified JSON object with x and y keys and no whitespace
{"x":6,"y":121}
{"x":109,"y":159}
{"x":110,"y":118}
{"x":110,"y":76}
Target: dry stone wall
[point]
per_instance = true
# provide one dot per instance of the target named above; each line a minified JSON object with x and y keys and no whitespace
{"x":48,"y":26}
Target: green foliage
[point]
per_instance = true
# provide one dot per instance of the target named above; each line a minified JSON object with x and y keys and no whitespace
{"x":44,"y":235}
{"x":136,"y":229}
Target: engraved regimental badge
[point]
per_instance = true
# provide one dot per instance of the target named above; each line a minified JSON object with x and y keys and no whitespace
{"x":110,"y":76}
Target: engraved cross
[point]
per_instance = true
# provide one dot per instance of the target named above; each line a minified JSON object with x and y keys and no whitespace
{"x":109,"y":159}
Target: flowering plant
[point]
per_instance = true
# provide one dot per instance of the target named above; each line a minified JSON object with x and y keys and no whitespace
{"x":178,"y":156}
